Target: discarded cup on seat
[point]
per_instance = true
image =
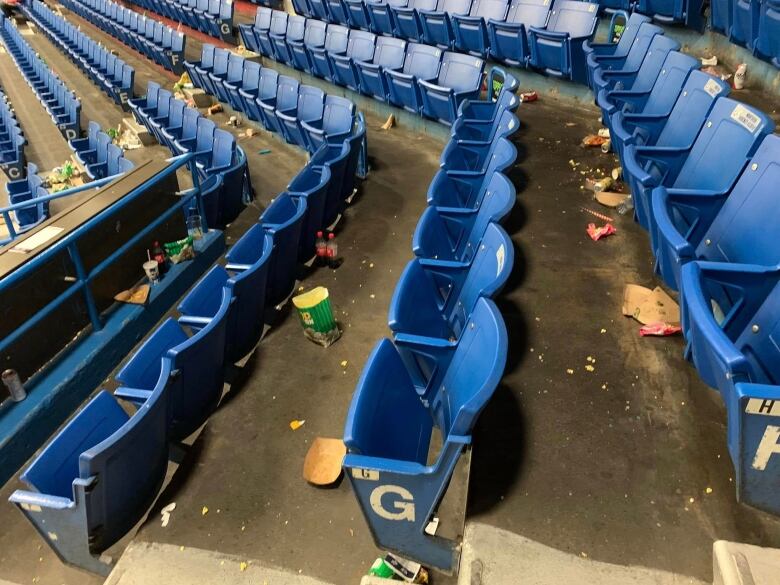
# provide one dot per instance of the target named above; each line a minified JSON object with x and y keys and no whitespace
{"x":152,"y":270}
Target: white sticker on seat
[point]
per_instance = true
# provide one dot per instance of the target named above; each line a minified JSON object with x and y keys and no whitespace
{"x":500,"y":259}
{"x":745,"y":117}
{"x":369,"y":474}
{"x":767,"y":407}
{"x":712,"y":87}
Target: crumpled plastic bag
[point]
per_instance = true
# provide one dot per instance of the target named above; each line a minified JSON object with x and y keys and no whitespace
{"x":659,"y":329}
{"x":596,"y":233}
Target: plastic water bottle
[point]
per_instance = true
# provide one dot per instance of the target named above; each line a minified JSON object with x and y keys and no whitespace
{"x":321,"y":250}
{"x":333,"y":251}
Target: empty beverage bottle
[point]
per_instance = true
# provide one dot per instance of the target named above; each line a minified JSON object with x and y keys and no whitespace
{"x":321,"y":248}
{"x":333,"y":251}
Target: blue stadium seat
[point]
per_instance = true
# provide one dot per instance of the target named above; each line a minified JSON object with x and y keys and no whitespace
{"x":460,"y":78}
{"x":311,"y":101}
{"x":283,"y":219}
{"x":613,"y":55}
{"x":185,"y":128}
{"x":557,"y":50}
{"x":483,"y":133}
{"x":142,"y":105}
{"x":767,"y":43}
{"x":381,"y":18}
{"x":391,"y":459}
{"x":250,"y":80}
{"x":357,"y":14}
{"x":360,"y":47}
{"x":721,"y":12}
{"x":265,"y":90}
{"x":334,"y":126}
{"x":320,"y":11}
{"x":654,"y":86}
{"x":334,"y":157}
{"x":311,"y":183}
{"x":422,"y":62}
{"x":406,"y":19}
{"x":98,"y":476}
{"x":725,"y":226}
{"x":29,"y":217}
{"x":286,"y":97}
{"x":357,"y":164}
{"x":91,"y":157}
{"x":621,"y":71}
{"x":471,"y":32}
{"x":218,"y":71}
{"x":339,"y":13}
{"x":745,"y":17}
{"x":452,"y":232}
{"x":198,"y":360}
{"x":475,"y":113}
{"x":509,"y":37}
{"x":277,"y":31}
{"x":687,"y":12}
{"x":313,"y":38}
{"x":302,"y":7}
{"x":434,"y":299}
{"x":26,"y":188}
{"x":222,"y":154}
{"x":232,"y":76}
{"x":296,"y":26}
{"x":389,"y":54}
{"x":478,"y":158}
{"x":705,"y":165}
{"x":256,"y":36}
{"x":198,"y":69}
{"x":336,"y":41}
{"x":678,"y":128}
{"x":245,"y":278}
{"x":437,"y":23}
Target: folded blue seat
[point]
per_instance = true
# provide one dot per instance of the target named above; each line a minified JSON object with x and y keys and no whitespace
{"x":357,"y":14}
{"x":406,"y":19}
{"x":178,"y":126}
{"x":283,"y":219}
{"x":302,"y":7}
{"x":357,"y":163}
{"x":557,"y":49}
{"x":311,"y":183}
{"x":509,"y":37}
{"x":309,"y":107}
{"x":296,"y":26}
{"x":245,"y":277}
{"x":437,"y":22}
{"x":99,"y":475}
{"x":471,"y":31}
{"x":198,"y":361}
{"x":478,"y":158}
{"x":434,"y":299}
{"x":384,"y":458}
{"x":313,"y":37}
{"x":745,"y":18}
{"x":680,"y":127}
{"x":381,"y":18}
{"x":250,"y":80}
{"x":264,"y":91}
{"x":334,"y":157}
{"x":334,"y":126}
{"x":648,"y":91}
{"x":247,"y":31}
{"x":613,"y":55}
{"x":320,"y":11}
{"x":475,"y":113}
{"x":767,"y":43}
{"x":389,"y":54}
{"x":686,"y":12}
{"x":620,"y":72}
{"x":483,"y":133}
{"x":460,"y":78}
{"x":451,"y":231}
{"x":339,"y":13}
{"x":336,"y":40}
{"x":734,"y":226}
{"x":706,"y":165}
{"x":286,"y":97}
{"x":360,"y":47}
{"x":197,"y":70}
{"x":422,"y":62}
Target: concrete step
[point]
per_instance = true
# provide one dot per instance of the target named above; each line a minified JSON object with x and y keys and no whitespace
{"x":150,"y":563}
{"x":735,"y":563}
{"x":492,"y":556}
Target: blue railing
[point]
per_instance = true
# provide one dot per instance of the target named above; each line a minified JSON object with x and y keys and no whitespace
{"x":69,"y":243}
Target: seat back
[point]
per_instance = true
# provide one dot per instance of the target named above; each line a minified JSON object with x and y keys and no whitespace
{"x":112,"y":160}
{"x":336,"y":39}
{"x":338,"y":114}
{"x":286,"y":93}
{"x":747,"y":227}
{"x":314,"y":35}
{"x":422,"y":4}
{"x":669,"y":83}
{"x":207,"y":56}
{"x":224,"y":148}
{"x":487,"y":9}
{"x":389,"y":52}
{"x":386,"y":387}
{"x":577,"y":19}
{"x":311,"y":101}
{"x":278,"y":23}
{"x":235,"y":70}
{"x":164,"y":98}
{"x":152,"y":91}
{"x":473,"y":373}
{"x":296,"y":27}
{"x":454,"y":6}
{"x":422,"y":61}
{"x":660,"y":47}
{"x":713,"y":166}
{"x":691,"y":108}
{"x":361,"y":45}
{"x":269,"y":81}
{"x":204,"y":138}
{"x":638,"y":49}
{"x":189,"y":128}
{"x":221,"y":58}
{"x":460,"y":72}
{"x":251,"y":75}
{"x":263,"y":18}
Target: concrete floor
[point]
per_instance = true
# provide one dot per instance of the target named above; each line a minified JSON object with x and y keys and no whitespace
{"x":602,"y":463}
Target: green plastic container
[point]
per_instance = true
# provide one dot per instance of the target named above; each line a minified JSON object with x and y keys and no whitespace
{"x":315,"y":311}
